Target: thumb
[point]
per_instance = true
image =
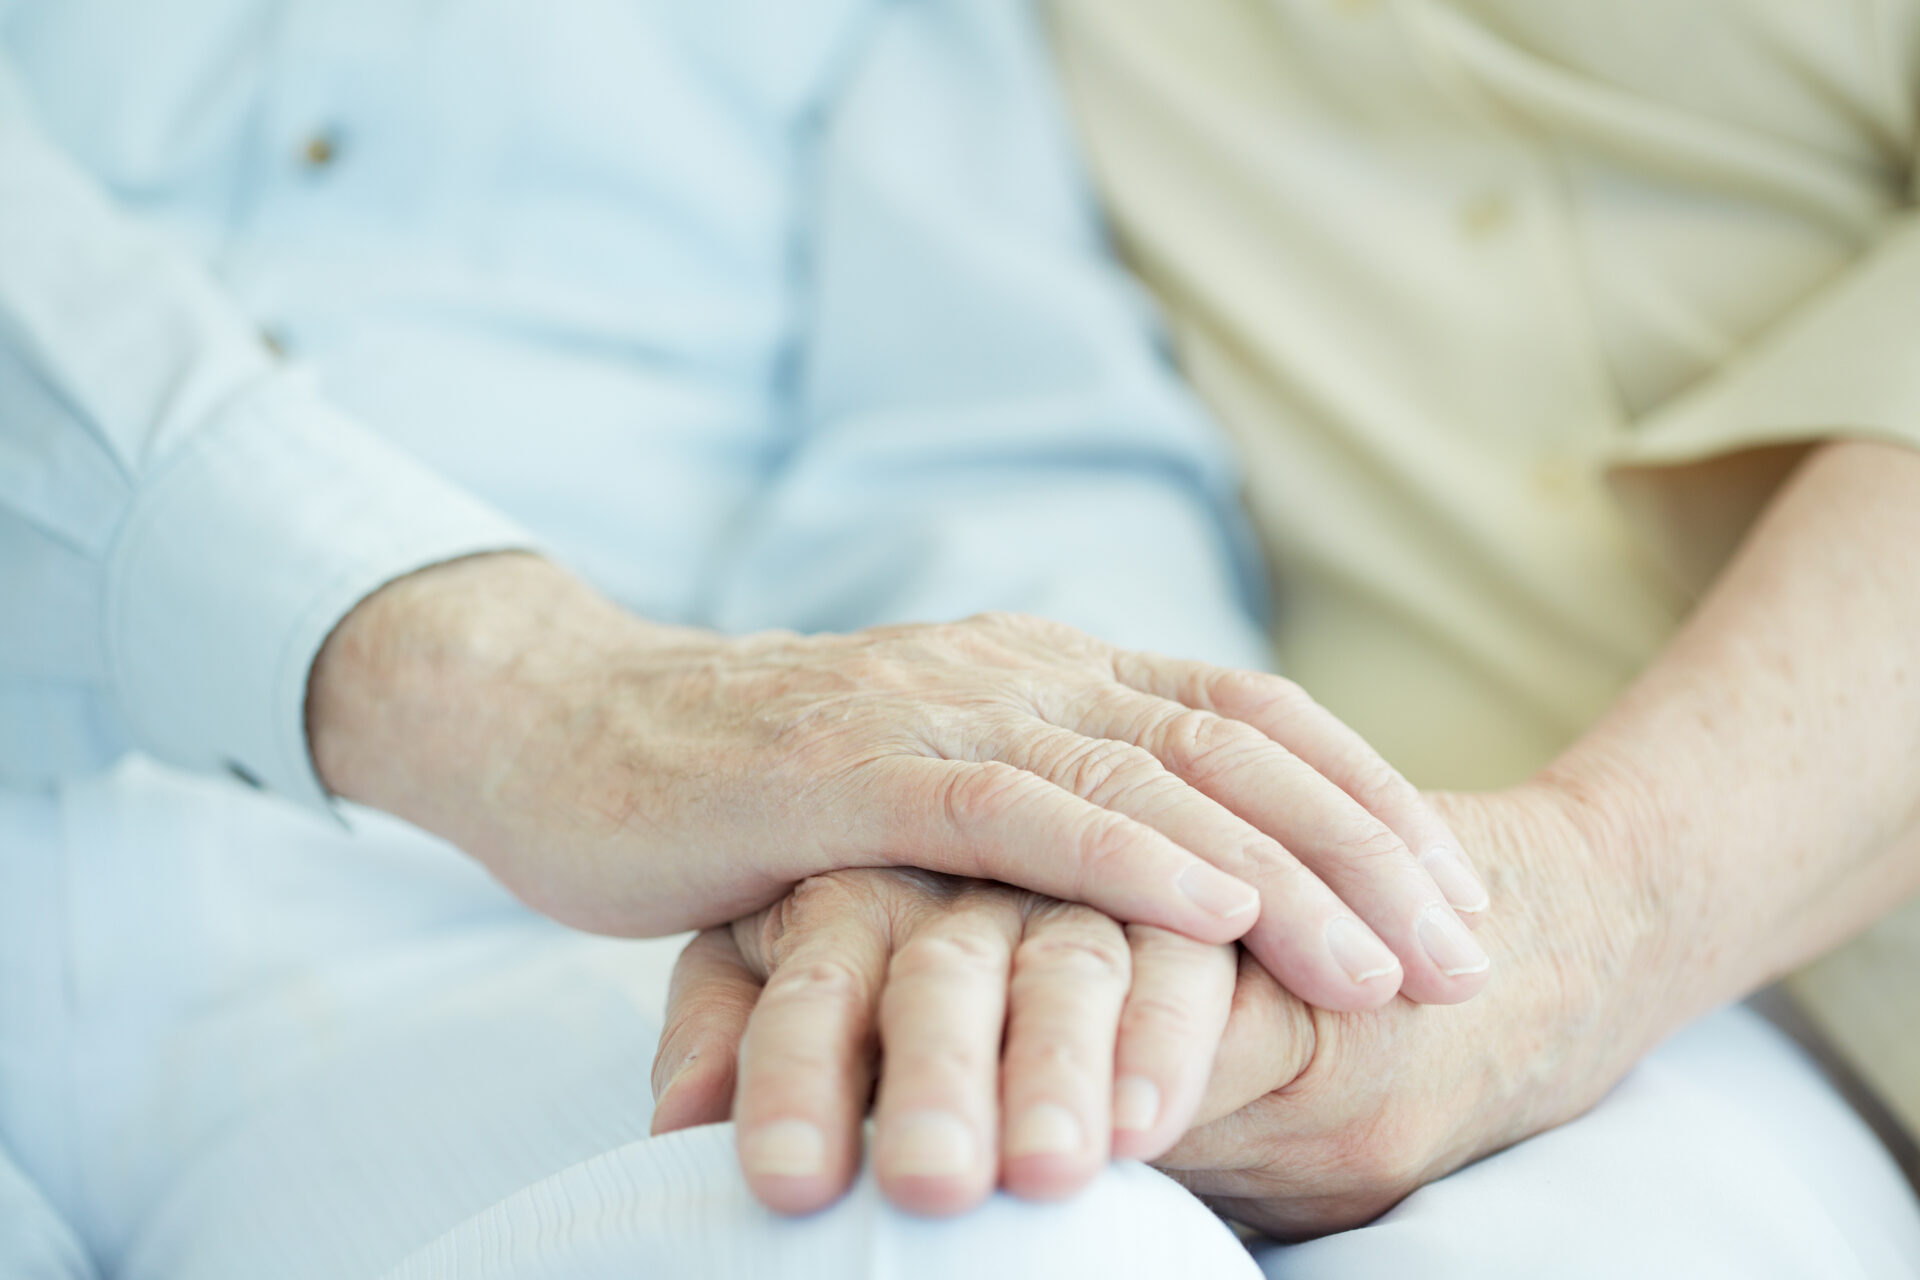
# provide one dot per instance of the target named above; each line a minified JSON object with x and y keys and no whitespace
{"x":712,"y":994}
{"x":1269,"y":1042}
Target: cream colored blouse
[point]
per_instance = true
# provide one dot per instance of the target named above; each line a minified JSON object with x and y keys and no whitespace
{"x":1463,"y":276}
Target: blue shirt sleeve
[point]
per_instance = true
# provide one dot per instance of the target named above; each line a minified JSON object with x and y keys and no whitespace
{"x":182,"y":518}
{"x":985,"y":417}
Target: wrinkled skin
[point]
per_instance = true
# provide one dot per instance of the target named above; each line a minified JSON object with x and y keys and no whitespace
{"x":1312,"y":1120}
{"x":1045,"y":1033}
{"x":1318,"y":1121}
{"x":629,"y":778}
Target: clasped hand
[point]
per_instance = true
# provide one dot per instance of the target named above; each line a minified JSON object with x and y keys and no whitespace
{"x":636,"y":779}
{"x":1004,"y":1038}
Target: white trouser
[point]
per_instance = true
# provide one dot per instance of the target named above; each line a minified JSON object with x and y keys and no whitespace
{"x":235,"y":1043}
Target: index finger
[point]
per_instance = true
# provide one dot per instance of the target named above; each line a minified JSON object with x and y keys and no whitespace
{"x":994,"y":821}
{"x":1269,"y":1042}
{"x":1285,"y":712}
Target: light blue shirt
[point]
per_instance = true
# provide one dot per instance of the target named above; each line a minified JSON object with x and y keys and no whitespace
{"x":755,"y":312}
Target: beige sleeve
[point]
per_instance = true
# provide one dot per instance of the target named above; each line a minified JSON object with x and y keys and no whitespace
{"x":1845,"y":363}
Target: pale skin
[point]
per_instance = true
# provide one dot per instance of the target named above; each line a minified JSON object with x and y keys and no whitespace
{"x":1753,"y":800}
{"x":1005,"y":1016}
{"x":636,"y":779}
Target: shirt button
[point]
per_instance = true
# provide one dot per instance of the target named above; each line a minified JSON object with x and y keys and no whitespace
{"x":273,"y":340}
{"x":1486,"y":214}
{"x":1557,"y":479}
{"x":320,"y":150}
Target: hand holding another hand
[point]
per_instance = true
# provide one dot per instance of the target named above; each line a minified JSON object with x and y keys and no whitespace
{"x":1318,"y":1121}
{"x":630,"y":778}
{"x":1311,"y":1120}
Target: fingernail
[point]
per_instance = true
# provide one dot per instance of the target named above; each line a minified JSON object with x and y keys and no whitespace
{"x":1454,"y":874}
{"x":1216,"y":892}
{"x":1136,"y":1103}
{"x":1045,"y":1129}
{"x":1354,"y":947}
{"x":785,"y":1149}
{"x":673,"y":1077}
{"x":927,"y":1144}
{"x":1448,"y":944}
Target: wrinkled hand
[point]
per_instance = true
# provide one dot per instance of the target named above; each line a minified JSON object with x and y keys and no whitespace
{"x":1108,"y":1037}
{"x":1317,"y":1121}
{"x":629,"y":778}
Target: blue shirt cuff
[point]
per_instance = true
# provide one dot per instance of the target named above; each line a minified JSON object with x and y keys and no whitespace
{"x":238,"y":559}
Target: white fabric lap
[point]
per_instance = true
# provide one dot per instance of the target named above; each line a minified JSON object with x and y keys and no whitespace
{"x":301,"y":1055}
{"x":309,"y":1057}
{"x":1724,"y":1154}
{"x":677,"y":1206}
{"x":501,"y":1060}
{"x":267,"y":1048}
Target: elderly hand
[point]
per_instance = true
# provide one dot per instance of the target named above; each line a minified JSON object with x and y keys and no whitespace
{"x":629,"y":778}
{"x":1318,"y":1121}
{"x":1108,"y":1037}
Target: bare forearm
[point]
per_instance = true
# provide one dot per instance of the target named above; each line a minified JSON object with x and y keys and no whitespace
{"x":1745,"y":806}
{"x":1759,"y":783}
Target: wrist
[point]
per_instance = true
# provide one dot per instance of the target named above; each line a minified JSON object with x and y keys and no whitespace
{"x":425,"y":692}
{"x":1638,"y":903}
{"x":1581,"y":989}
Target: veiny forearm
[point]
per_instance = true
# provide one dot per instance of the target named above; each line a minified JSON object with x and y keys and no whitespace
{"x":1760,"y":784}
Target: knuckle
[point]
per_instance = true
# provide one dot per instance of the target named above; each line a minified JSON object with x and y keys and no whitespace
{"x":1186,"y":732}
{"x":819,"y":980}
{"x":1369,"y":844}
{"x":940,"y":1060}
{"x":1276,"y":699}
{"x":1054,"y":1057}
{"x":994,"y":620}
{"x":1157,"y":1014}
{"x":1085,"y":956}
{"x":1209,"y":747}
{"x":1102,"y":848}
{"x":956,"y":952}
{"x":980,"y":793}
{"x":1377,"y":784}
{"x":782,"y":928}
{"x":995,"y":638}
{"x":1106,"y":772}
{"x":797,"y":1063}
{"x":1233,"y":691}
{"x":1263,"y":858}
{"x":762,"y":938}
{"x":1006,"y":622}
{"x":1371,"y":778}
{"x":815,"y":897}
